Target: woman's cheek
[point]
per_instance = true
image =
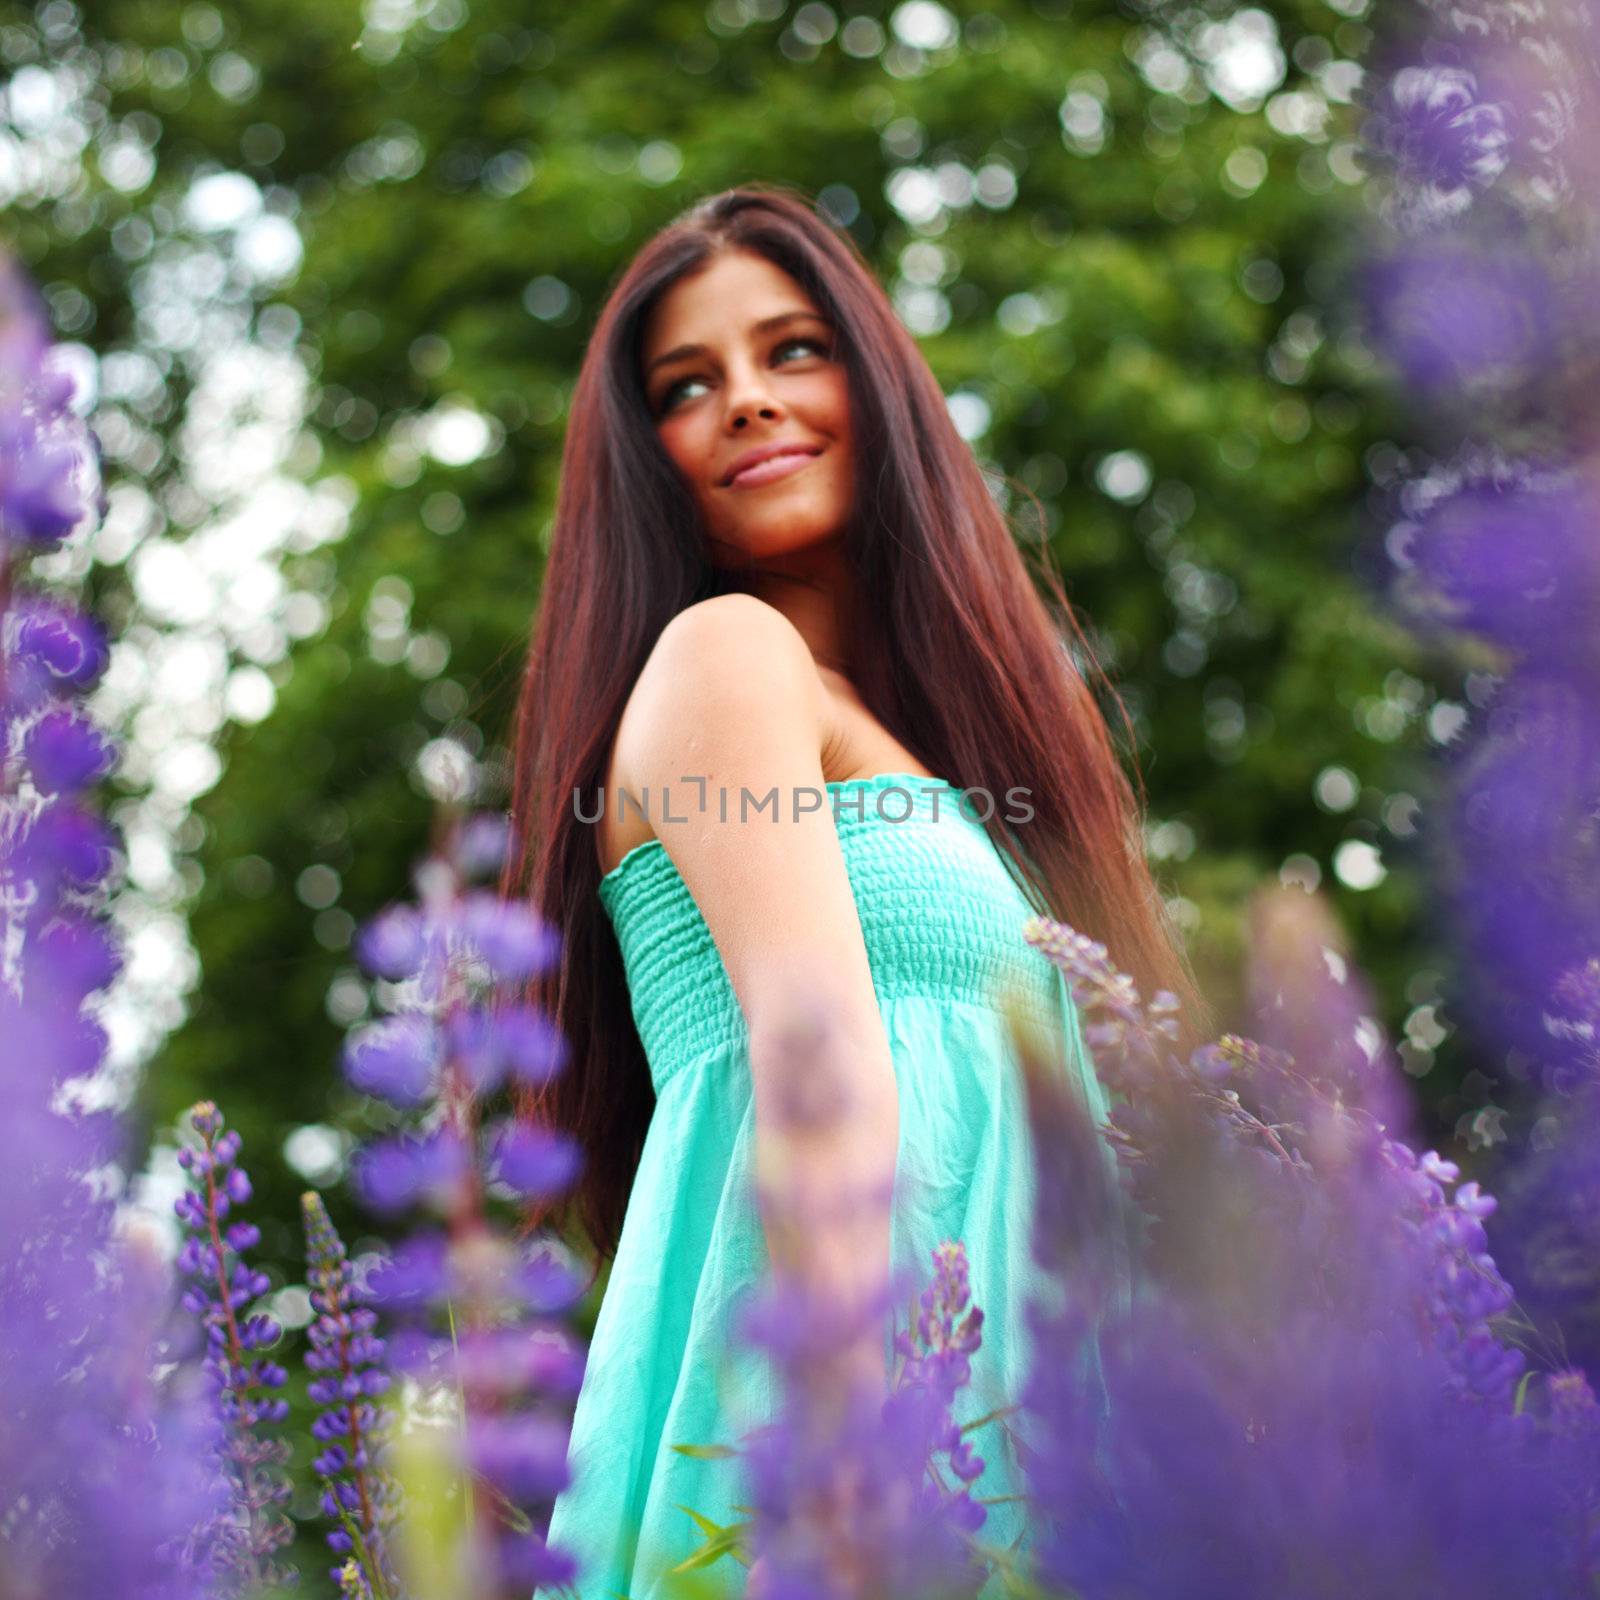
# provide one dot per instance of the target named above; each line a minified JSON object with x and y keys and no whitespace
{"x":688,"y":452}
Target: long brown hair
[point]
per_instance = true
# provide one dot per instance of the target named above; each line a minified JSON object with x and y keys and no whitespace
{"x":954,"y":650}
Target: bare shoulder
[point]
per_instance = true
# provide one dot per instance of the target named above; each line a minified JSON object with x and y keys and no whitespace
{"x":728,"y":725}
{"x":716,"y":664}
{"x":730,"y":626}
{"x":729,"y":685}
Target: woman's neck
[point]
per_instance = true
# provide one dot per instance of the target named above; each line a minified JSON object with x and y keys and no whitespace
{"x":809,"y":590}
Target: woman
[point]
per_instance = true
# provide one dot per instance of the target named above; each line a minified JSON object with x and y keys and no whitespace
{"x":776,"y":566}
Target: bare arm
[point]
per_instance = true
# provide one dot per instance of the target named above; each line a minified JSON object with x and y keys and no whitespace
{"x":730,"y":695}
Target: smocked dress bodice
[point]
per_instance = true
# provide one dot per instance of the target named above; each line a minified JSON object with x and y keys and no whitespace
{"x":939,"y":915}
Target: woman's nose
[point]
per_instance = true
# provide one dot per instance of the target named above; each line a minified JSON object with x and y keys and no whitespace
{"x":748,"y":395}
{"x":739,"y":416}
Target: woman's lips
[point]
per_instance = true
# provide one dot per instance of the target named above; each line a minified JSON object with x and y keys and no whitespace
{"x":773,"y":468}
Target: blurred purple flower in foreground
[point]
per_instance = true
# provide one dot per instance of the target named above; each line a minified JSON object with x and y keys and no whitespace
{"x":451,"y":967}
{"x":45,"y":491}
{"x":1455,"y":314}
{"x":1439,"y":130}
{"x":1549,"y":1237}
{"x":103,"y":1466}
{"x":1496,"y":555}
{"x":1496,"y":544}
{"x":1310,"y":1390}
{"x":858,"y":1479}
{"x":1504,"y":557}
{"x":863,"y":1493}
{"x":1507,"y":552}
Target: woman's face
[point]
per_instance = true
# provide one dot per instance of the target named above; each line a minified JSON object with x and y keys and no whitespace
{"x":737,"y":357}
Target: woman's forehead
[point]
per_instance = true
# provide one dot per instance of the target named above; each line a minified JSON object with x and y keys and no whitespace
{"x":731,"y":295}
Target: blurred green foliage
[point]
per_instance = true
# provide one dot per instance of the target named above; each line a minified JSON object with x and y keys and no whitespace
{"x":1123,"y":233}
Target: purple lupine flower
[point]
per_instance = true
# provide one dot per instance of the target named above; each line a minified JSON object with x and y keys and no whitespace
{"x":396,"y":1059}
{"x":45,"y":450}
{"x":1523,"y":855}
{"x":392,"y":1175}
{"x":1297,"y":1265}
{"x":861,"y":1483}
{"x":40,"y":501}
{"x":241,"y":1544}
{"x":457,"y":931}
{"x":1548,"y":1228}
{"x":1456,"y":316}
{"x":480,"y":845}
{"x":534,"y":1162}
{"x":938,"y":1360}
{"x":1505,"y":551}
{"x":460,"y":1035}
{"x":848,"y":1489}
{"x":512,"y":938}
{"x":535,"y":1049}
{"x":1495,"y":543}
{"x":937,"y":1353}
{"x":347,"y":1354}
{"x":1312,"y":1005}
{"x":512,"y":1040}
{"x":50,"y":650}
{"x":1496,"y":552}
{"x":524,"y":1454}
{"x":104,"y":1471}
{"x":1291,"y":1132}
{"x":65,"y":752}
{"x":1444,"y":141}
{"x":393,"y":944}
{"x":1319,"y":1459}
{"x":56,"y":847}
{"x":539,"y":1359}
{"x":352,"y":1581}
{"x":1572,"y":1023}
{"x":1509,"y":554}
{"x":414,"y":1275}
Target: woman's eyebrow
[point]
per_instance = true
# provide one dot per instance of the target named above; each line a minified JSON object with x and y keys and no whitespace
{"x":766,"y":324}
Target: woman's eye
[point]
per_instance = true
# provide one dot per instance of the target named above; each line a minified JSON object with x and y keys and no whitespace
{"x":671,"y":394}
{"x":804,"y":344}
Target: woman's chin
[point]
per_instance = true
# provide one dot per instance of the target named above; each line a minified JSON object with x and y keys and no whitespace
{"x":734,"y":549}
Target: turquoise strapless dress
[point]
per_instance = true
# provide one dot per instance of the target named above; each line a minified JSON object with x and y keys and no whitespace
{"x":942,"y":922}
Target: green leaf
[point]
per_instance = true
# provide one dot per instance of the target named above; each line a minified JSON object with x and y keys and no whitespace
{"x":1004,"y":1411}
{"x":1522,"y":1392}
{"x":706,"y":1452}
{"x":705,"y":1524}
{"x":711,"y":1550}
{"x":511,"y":1514}
{"x":464,"y":1411}
{"x":723,"y":1541}
{"x":1015,"y":1574}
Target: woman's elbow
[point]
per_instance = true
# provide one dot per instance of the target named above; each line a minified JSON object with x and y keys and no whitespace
{"x":817,"y":1054}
